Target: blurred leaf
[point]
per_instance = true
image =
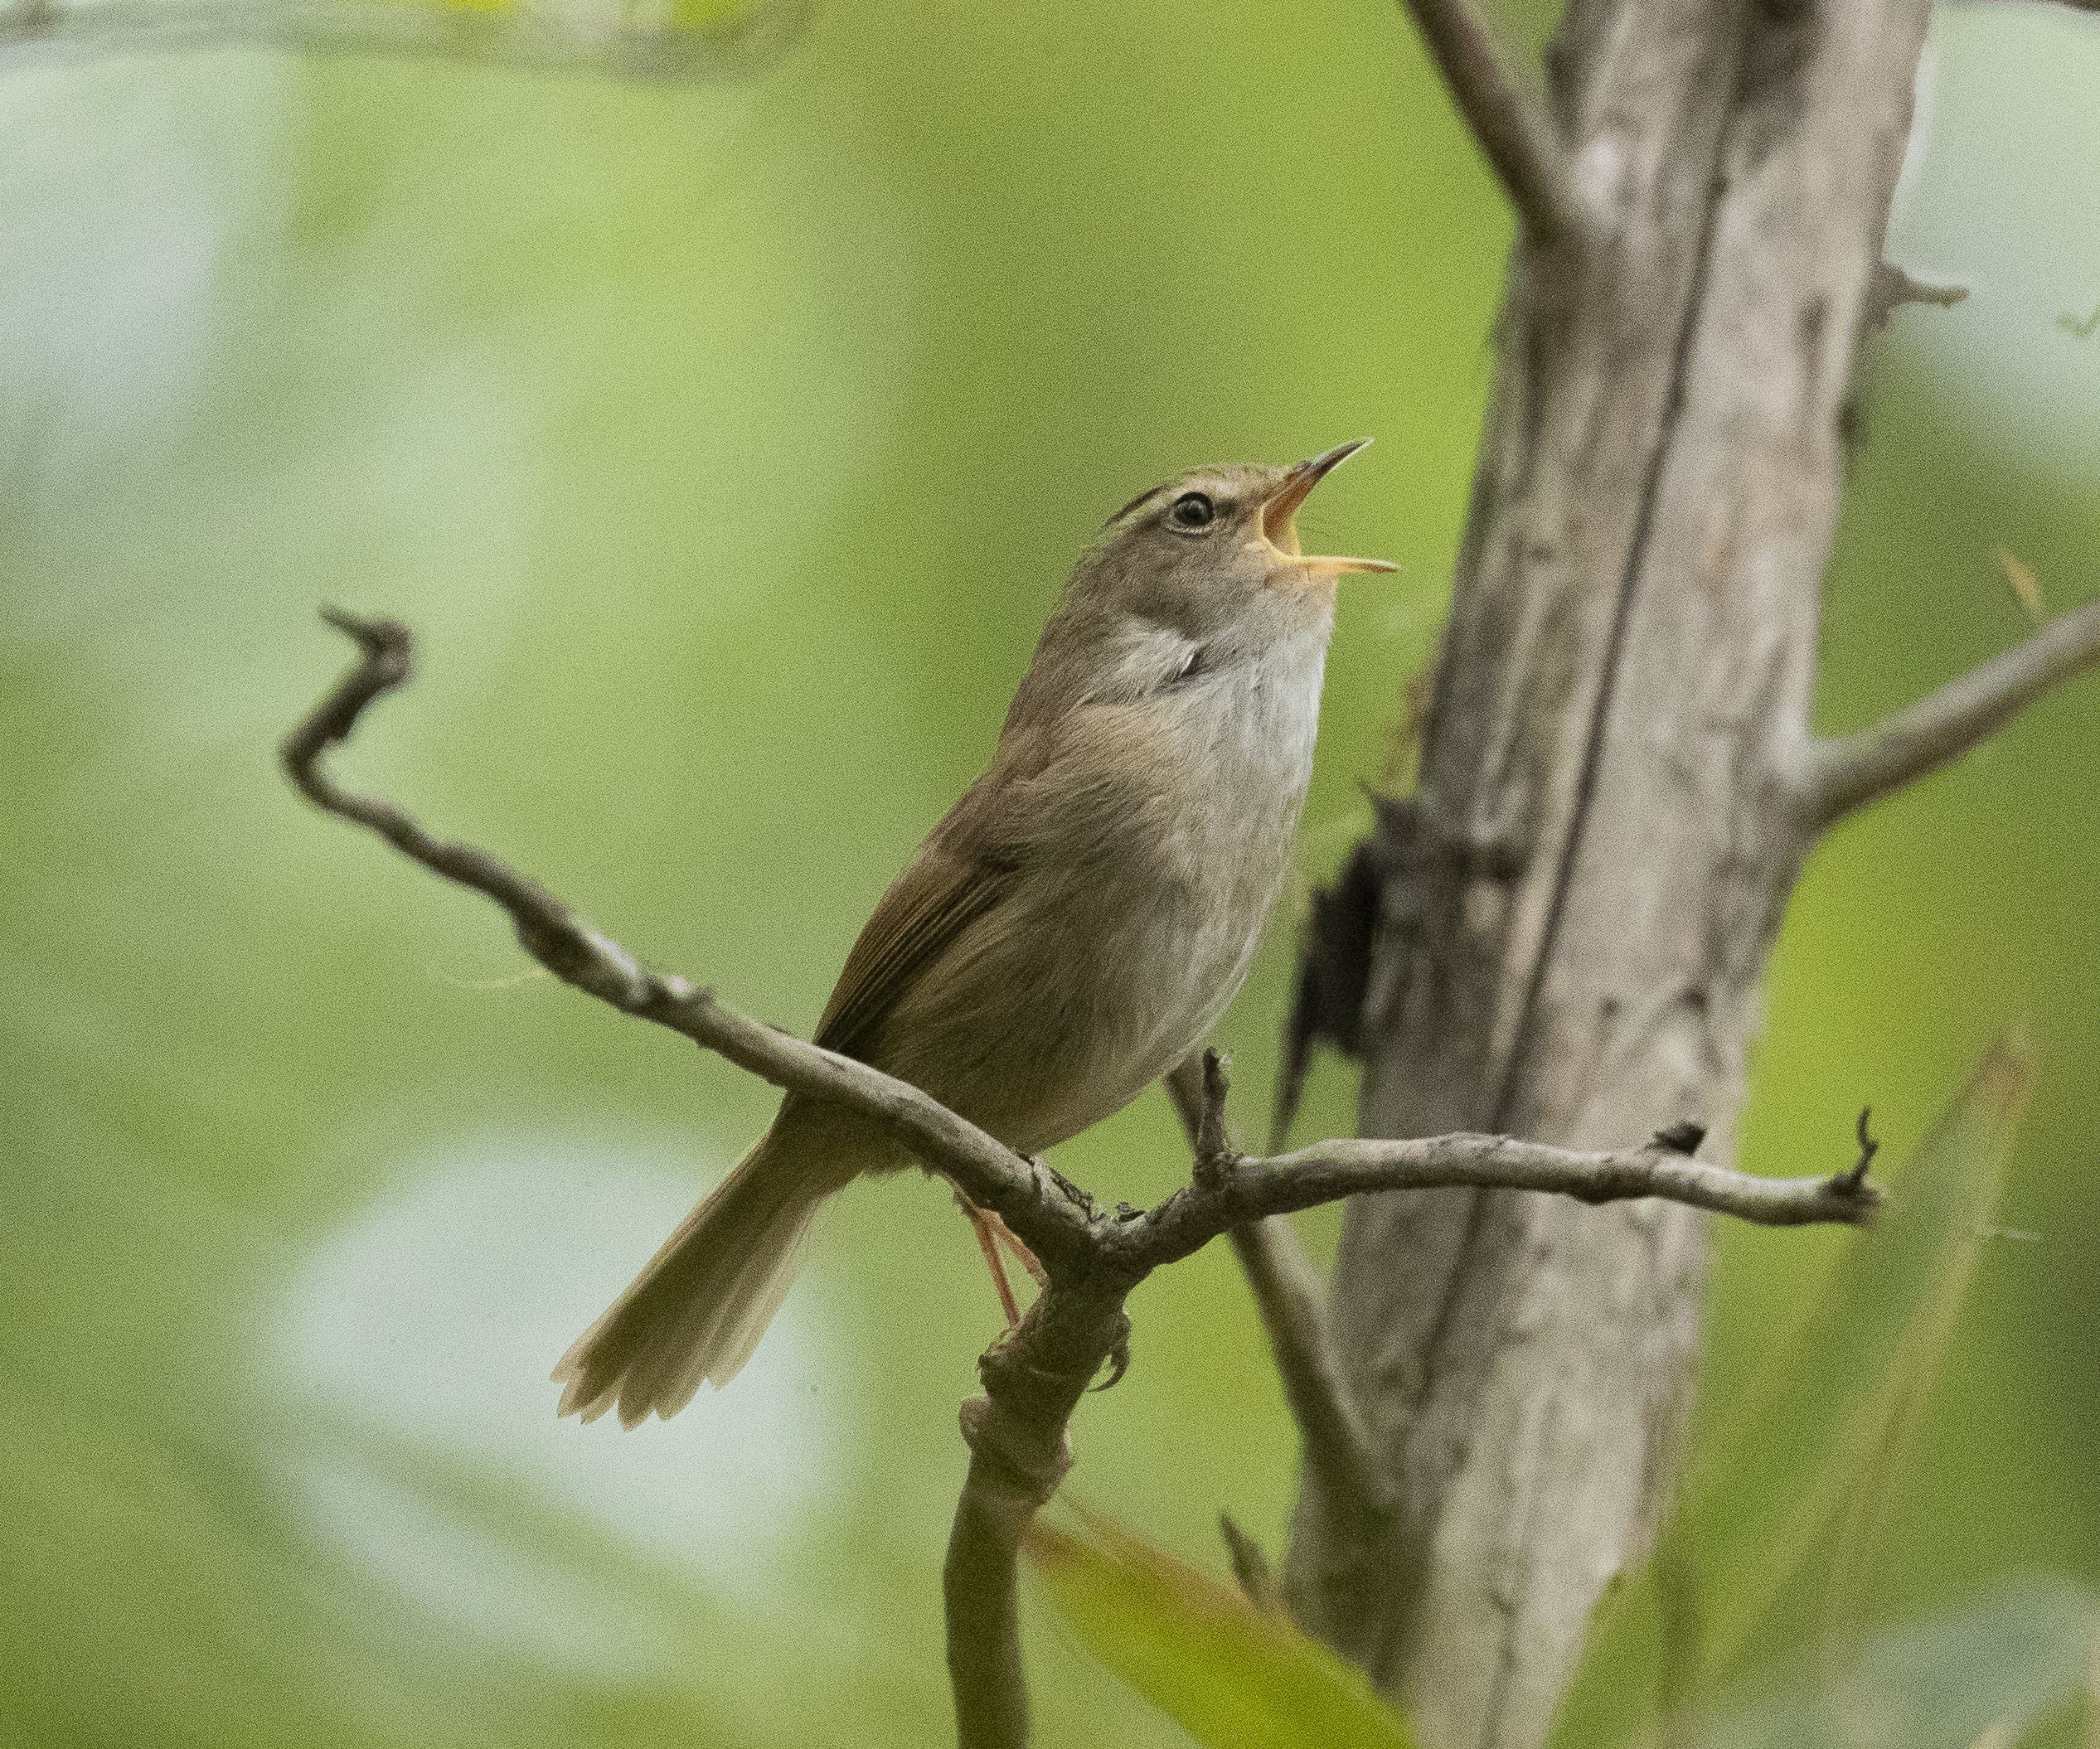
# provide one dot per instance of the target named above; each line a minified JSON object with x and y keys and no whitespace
{"x":1769,"y":1490}
{"x":1199,"y":1651}
{"x":1250,"y":1569}
{"x":2024,"y":585}
{"x":1859,"y":1367}
{"x":1976,"y":1678}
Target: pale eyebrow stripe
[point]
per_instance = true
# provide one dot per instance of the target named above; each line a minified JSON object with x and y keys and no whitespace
{"x":1149,"y":492}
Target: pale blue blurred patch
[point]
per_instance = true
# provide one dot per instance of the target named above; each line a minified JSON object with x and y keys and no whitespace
{"x":1998,"y":196}
{"x":426,"y":1323}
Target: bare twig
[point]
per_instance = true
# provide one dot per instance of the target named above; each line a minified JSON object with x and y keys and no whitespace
{"x":1892,"y":287}
{"x":1332,"y":1170}
{"x":1855,"y":1174}
{"x":1846,"y":775}
{"x":1517,"y":135}
{"x":1035,"y":1375}
{"x":548,"y":39}
{"x":1286,"y":1295}
{"x":1035,"y":1204}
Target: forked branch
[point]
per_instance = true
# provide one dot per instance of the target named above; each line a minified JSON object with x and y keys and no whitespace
{"x":1286,"y":1295}
{"x":1518,"y":138}
{"x":1847,"y":774}
{"x":1035,"y":1375}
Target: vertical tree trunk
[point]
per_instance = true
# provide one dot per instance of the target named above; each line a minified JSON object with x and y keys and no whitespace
{"x":1578,"y":908}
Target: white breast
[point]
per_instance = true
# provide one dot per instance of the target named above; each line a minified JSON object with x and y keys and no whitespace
{"x":1159,"y":838}
{"x":1176,"y":920}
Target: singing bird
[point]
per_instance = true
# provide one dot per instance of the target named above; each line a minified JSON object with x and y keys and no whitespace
{"x":1073,"y":927}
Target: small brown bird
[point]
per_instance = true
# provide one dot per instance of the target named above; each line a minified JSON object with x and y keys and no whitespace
{"x":1073,"y":927}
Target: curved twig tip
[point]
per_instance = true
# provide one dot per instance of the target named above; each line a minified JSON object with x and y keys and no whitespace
{"x":377,"y":634}
{"x":1852,"y":1181}
{"x":389,"y":652}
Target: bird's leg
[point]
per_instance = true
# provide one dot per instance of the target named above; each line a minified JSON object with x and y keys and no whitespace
{"x":1005,"y":1235}
{"x":988,"y":1228}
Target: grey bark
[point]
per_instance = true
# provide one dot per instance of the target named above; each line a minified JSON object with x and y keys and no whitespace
{"x":1611,"y":818}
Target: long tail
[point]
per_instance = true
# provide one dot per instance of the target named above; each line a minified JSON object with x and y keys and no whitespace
{"x":698,"y":1308}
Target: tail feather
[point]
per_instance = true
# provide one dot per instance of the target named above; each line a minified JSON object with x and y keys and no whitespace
{"x":697,"y":1310}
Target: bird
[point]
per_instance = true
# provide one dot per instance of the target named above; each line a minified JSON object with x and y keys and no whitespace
{"x":1072,"y":926}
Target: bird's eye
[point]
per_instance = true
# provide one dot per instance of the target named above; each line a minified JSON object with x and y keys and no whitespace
{"x":1191,"y":510}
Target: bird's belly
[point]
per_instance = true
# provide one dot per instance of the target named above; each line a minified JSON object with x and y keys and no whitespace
{"x":1166,"y":988}
{"x":1103,"y":971}
{"x":1065,"y":1013}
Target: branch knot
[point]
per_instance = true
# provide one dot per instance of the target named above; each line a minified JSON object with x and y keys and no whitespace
{"x":1024,"y":1465}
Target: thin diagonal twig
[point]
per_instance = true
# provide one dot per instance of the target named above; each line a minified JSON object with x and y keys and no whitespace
{"x":1287,"y":1297}
{"x":1846,"y":775}
{"x":1517,"y":135}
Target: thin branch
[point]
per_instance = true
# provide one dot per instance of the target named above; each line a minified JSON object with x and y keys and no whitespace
{"x":1846,"y":775}
{"x":1855,"y":1176}
{"x":1063,"y":1224}
{"x":1034,"y":1376}
{"x":1522,"y":146}
{"x":1891,"y":288}
{"x":1033,"y":1201}
{"x":1033,"y":1380}
{"x":1287,"y":1297}
{"x":551,"y":38}
{"x":1244,"y":1189}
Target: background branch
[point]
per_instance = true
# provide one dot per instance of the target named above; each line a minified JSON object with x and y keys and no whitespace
{"x":1523,"y":147}
{"x":1846,"y":775}
{"x":1287,"y":1294}
{"x":547,"y":39}
{"x":1892,"y":287}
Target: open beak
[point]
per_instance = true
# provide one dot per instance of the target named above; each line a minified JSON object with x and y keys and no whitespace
{"x":1279,"y":526}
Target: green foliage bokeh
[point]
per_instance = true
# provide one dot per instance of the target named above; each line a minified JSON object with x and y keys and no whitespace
{"x":726,"y":445}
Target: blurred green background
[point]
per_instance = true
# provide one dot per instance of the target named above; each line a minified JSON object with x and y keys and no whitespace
{"x":725,"y":444}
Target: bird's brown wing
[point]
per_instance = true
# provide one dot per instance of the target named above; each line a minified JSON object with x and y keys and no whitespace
{"x":943,"y":890}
